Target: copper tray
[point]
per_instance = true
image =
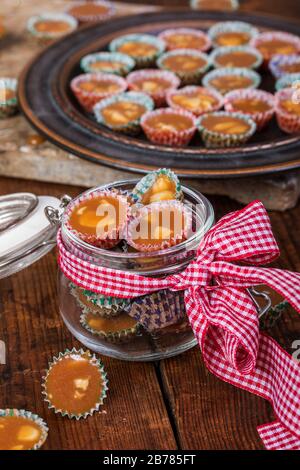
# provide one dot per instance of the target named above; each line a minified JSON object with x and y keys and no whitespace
{"x":48,"y":104}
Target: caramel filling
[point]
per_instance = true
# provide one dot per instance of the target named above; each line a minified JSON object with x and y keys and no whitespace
{"x":110,"y":325}
{"x":291,"y":68}
{"x":215,"y":4}
{"x":291,"y":107}
{"x":236,"y":59}
{"x":74,"y":384}
{"x":6,"y":94}
{"x":137,"y":49}
{"x":87,"y":9}
{"x":232,"y":38}
{"x":163,"y":189}
{"x":225,"y":125}
{"x":122,"y":112}
{"x":251,"y":105}
{"x":184,"y":63}
{"x":185,"y":41}
{"x":52,"y":26}
{"x":228,"y":83}
{"x":276,"y":46}
{"x":106,"y":65}
{"x":18,"y":433}
{"x":151,"y":85}
{"x":99,"y":86}
{"x":195,"y":102}
{"x":170,"y":122}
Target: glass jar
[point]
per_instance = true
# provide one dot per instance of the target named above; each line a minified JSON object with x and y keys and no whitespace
{"x":164,"y":341}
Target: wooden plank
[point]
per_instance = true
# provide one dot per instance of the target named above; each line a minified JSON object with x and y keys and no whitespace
{"x":133,"y":416}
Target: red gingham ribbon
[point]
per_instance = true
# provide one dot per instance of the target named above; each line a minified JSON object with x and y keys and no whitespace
{"x":222,"y":314}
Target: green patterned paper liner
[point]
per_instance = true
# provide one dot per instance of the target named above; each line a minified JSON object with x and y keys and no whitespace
{"x":214,"y":139}
{"x":273,"y":315}
{"x":126,"y":60}
{"x":231,"y":26}
{"x":8,"y":107}
{"x":94,"y":361}
{"x":120,"y":336}
{"x":287,"y":81}
{"x":145,"y":184}
{"x":132,"y":127}
{"x":141,"y":62}
{"x":44,"y":35}
{"x":31,"y":417}
{"x":187,"y":78}
{"x":219,"y":51}
{"x":221,"y":72}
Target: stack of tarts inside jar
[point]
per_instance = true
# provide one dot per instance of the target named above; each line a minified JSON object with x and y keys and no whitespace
{"x":151,"y":217}
{"x":186,"y":84}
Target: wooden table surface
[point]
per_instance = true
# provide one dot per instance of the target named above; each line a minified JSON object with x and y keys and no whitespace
{"x":173,"y":404}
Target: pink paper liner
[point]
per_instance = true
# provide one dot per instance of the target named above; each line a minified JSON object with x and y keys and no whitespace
{"x":269,"y":36}
{"x":154,"y":206}
{"x":164,"y":137}
{"x":191,"y":89}
{"x":89,"y":99}
{"x":159,"y":97}
{"x":289,"y":123}
{"x":260,"y":118}
{"x":112,"y":238}
{"x":200,"y":34}
{"x":111,"y":10}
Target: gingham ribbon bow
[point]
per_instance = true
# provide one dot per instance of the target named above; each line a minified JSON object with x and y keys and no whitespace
{"x":221,"y":312}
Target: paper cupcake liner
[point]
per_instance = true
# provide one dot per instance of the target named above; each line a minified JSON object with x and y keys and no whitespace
{"x":206,"y":4}
{"x":288,"y":81}
{"x":141,"y":62}
{"x":8,"y":107}
{"x":91,"y":18}
{"x":213,"y":139}
{"x":132,"y":127}
{"x":158,"y":310}
{"x":274,"y":35}
{"x":261,"y":119}
{"x":160,"y":245}
{"x":190,"y":90}
{"x":186,"y":78}
{"x":254,"y":76}
{"x":159,"y":97}
{"x":116,"y":337}
{"x":278,"y":61}
{"x":272,"y":316}
{"x":195,"y":32}
{"x":231,"y":26}
{"x":44,"y":36}
{"x":146,"y":183}
{"x":89,"y":99}
{"x":127,"y":62}
{"x":288,"y":122}
{"x":31,"y":417}
{"x":169,"y":137}
{"x":93,"y":359}
{"x":113,"y":237}
{"x":219,"y":51}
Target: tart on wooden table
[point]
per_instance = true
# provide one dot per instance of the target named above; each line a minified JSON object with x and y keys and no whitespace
{"x":143,"y":48}
{"x":276,"y":42}
{"x":198,"y":100}
{"x":224,"y":129}
{"x":123,"y":112}
{"x":188,"y":64}
{"x":92,"y":10}
{"x":8,"y":97}
{"x":258,"y":104}
{"x":287,"y":109}
{"x":107,"y":62}
{"x":118,"y":329}
{"x":159,"y":185}
{"x":232,"y":33}
{"x":155,"y":83}
{"x":185,"y":38}
{"x":238,"y":56}
{"x":228,"y":79}
{"x":21,"y":430}
{"x":90,"y":88}
{"x":167,"y":126}
{"x":282,"y":65}
{"x":48,"y":27}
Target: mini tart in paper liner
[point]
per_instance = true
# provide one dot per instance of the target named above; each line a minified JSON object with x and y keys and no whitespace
{"x":254,"y":60}
{"x":133,"y":125}
{"x":120,"y":329}
{"x":213,"y":139}
{"x":284,"y":65}
{"x":146,"y":232}
{"x":82,"y":220}
{"x":87,"y":97}
{"x":129,"y":44}
{"x":32,"y":432}
{"x":288,"y":121}
{"x":158,"y":310}
{"x":45,"y":36}
{"x":187,"y":75}
{"x":153,"y":78}
{"x":8,"y":97}
{"x":218,"y":5}
{"x":231,"y":78}
{"x":288,"y":81}
{"x":212,"y":100}
{"x":290,"y":44}
{"x":167,"y":130}
{"x":75,"y":384}
{"x":260,"y":117}
{"x":158,"y":185}
{"x":228,"y":29}
{"x":201,"y":41}
{"x":112,"y":62}
{"x":99,"y":10}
